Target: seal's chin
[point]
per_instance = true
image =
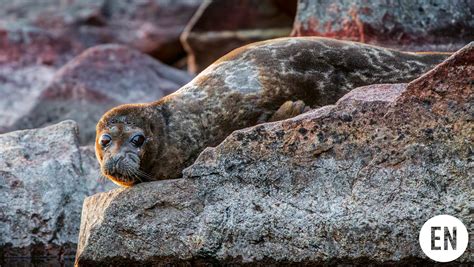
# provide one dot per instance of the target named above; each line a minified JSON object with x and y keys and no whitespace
{"x":122,"y":180}
{"x":121,"y":172}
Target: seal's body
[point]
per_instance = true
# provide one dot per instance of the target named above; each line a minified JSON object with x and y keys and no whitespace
{"x":243,"y":88}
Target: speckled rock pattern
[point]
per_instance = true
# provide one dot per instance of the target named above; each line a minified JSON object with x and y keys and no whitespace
{"x":98,"y":79}
{"x":421,"y":25}
{"x":350,"y":182}
{"x":239,"y":23}
{"x":44,"y":178}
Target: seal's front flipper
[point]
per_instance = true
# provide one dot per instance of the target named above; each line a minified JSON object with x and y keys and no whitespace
{"x":289,"y":109}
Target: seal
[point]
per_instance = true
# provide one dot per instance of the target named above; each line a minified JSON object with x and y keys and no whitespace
{"x":253,"y":84}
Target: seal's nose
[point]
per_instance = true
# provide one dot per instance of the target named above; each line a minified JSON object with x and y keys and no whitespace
{"x":118,"y":160}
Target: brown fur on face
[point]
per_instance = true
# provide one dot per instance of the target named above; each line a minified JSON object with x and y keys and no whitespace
{"x":121,"y":161}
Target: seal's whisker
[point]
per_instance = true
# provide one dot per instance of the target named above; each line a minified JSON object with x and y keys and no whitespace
{"x":127,"y":171}
{"x":132,"y":172}
{"x":136,"y":176}
{"x":146,"y":175}
{"x":101,"y":178}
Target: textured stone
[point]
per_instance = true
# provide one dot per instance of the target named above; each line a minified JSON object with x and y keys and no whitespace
{"x":351,"y":182}
{"x":100,"y":78}
{"x":409,"y":25}
{"x":239,"y":23}
{"x":44,"y":178}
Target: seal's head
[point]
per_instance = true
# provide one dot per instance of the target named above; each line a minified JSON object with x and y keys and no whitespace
{"x":126,"y":140}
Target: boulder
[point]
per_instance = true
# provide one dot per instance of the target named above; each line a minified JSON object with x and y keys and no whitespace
{"x":250,"y":21}
{"x":406,"y":25}
{"x":98,"y":79}
{"x":151,"y":26}
{"x":347,"y":183}
{"x":44,"y":178}
{"x":27,"y":45}
{"x":29,"y":57}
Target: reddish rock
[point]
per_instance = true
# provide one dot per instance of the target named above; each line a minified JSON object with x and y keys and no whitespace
{"x":100,"y":78}
{"x":348,"y":183}
{"x":29,"y":58}
{"x":408,"y":25}
{"x":151,"y":26}
{"x":20,"y":46}
{"x":238,"y":23}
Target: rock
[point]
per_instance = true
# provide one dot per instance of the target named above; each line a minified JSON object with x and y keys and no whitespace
{"x":347,"y":183}
{"x":406,"y":25}
{"x":100,"y":78}
{"x":44,"y":178}
{"x":151,"y":26}
{"x":250,"y":21}
{"x":19,"y":89}
{"x":29,"y":58}
{"x":93,"y":179}
{"x":23,"y":46}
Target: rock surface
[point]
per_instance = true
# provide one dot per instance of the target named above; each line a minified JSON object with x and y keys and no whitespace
{"x":239,"y":23}
{"x":44,"y":178}
{"x":98,"y":79}
{"x":352,"y":182}
{"x":407,"y":25}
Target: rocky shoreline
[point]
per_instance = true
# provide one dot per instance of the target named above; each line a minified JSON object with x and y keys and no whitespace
{"x":348,"y":183}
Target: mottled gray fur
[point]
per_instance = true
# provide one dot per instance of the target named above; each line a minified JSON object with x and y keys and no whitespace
{"x":249,"y":84}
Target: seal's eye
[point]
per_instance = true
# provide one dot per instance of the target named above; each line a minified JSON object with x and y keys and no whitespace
{"x":138,"y":140}
{"x":105,"y":140}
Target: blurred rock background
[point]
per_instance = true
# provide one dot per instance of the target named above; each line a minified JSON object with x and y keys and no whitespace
{"x":417,"y":25}
{"x":75,"y":59}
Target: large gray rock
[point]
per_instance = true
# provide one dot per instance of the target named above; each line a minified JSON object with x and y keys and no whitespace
{"x":98,"y":79}
{"x":44,"y":178}
{"x":352,"y":182}
{"x":420,"y":25}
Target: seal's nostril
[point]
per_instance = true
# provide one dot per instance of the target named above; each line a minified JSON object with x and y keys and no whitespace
{"x":117,"y":161}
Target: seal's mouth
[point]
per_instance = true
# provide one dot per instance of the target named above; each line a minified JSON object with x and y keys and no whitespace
{"x":123,"y":171}
{"x":120,"y":179}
